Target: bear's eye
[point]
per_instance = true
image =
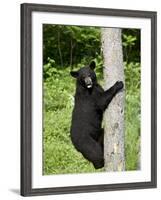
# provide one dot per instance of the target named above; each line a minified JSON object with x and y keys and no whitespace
{"x":88,"y":75}
{"x":84,"y":76}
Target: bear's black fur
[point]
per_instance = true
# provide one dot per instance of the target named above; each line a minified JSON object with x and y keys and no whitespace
{"x":90,"y":103}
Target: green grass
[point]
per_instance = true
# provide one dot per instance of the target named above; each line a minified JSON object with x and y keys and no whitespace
{"x":59,"y":154}
{"x":132,"y":116}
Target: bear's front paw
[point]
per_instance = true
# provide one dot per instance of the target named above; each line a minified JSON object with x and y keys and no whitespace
{"x":119,"y":85}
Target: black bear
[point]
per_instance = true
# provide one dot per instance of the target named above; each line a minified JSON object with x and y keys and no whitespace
{"x":90,"y":103}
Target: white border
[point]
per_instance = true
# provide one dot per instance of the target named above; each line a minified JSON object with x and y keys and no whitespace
{"x":144,"y":175}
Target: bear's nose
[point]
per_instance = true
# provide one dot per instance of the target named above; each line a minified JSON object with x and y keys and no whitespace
{"x":88,"y":82}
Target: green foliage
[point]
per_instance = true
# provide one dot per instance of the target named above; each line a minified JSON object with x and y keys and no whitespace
{"x":131,"y":45}
{"x":67,"y":45}
{"x":132,"y":115}
{"x":132,"y":77}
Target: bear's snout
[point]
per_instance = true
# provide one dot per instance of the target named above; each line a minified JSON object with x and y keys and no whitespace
{"x":88,"y":82}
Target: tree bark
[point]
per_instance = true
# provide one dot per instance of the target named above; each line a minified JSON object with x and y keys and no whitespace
{"x":114,"y":115}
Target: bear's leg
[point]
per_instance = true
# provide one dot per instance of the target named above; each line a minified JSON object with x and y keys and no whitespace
{"x":93,"y":152}
{"x":101,"y":138}
{"x":108,"y":95}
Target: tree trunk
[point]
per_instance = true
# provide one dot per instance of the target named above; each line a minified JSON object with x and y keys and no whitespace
{"x":71,"y":53}
{"x":114,"y":115}
{"x":72,"y":45}
{"x":59,"y":49}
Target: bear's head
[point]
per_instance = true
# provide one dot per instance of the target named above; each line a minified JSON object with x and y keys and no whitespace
{"x":86,"y":75}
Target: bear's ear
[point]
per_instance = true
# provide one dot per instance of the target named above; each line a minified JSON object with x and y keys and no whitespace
{"x":92,"y":65}
{"x":74,"y":74}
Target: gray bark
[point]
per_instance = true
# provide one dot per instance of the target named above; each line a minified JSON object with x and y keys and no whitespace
{"x":114,"y":115}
